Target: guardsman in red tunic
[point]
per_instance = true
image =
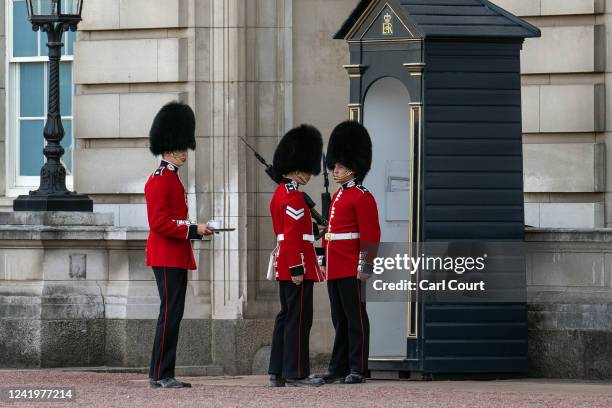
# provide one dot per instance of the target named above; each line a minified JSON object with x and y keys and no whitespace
{"x":169,"y":249}
{"x":294,"y":261}
{"x":353,"y":228}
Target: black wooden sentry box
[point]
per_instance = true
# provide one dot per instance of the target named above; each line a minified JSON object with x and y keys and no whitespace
{"x":460,"y":62}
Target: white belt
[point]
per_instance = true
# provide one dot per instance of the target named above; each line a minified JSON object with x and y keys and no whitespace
{"x":305,"y":237}
{"x":341,"y":237}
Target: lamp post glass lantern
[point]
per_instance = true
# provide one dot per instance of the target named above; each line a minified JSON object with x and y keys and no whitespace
{"x":54,"y":9}
{"x":53,"y":17}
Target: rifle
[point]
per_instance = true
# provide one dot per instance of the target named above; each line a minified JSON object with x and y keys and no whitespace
{"x":278,"y":178}
{"x":325,"y":197}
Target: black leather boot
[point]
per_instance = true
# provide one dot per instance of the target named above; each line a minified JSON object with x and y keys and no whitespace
{"x":304,"y":382}
{"x":329,"y":378}
{"x":169,"y":383}
{"x":354,"y":378}
{"x":276,"y":381}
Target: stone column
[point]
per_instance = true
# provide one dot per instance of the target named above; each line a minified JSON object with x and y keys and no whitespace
{"x":220,"y":110}
{"x":242,"y":89}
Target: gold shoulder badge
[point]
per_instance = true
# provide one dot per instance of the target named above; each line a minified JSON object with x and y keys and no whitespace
{"x":387,"y":27}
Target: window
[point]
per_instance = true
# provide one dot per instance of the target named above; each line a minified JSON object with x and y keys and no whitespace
{"x":27,"y":99}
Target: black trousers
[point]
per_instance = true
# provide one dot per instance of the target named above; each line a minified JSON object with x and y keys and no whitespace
{"x":172,"y":287}
{"x":289,"y":356}
{"x":350,"y":319}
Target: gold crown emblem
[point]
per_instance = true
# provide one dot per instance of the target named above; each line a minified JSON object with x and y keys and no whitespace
{"x":387,"y":18}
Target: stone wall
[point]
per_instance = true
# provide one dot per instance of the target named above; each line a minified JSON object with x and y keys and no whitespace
{"x":569,"y":280}
{"x":127,"y":65}
{"x":74,"y":291}
{"x":566,"y":101}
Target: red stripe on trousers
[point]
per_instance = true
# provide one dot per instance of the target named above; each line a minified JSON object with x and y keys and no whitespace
{"x":361,"y":319}
{"x":161,"y":352}
{"x":300,"y":332}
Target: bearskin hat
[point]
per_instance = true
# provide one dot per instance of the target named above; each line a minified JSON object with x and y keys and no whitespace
{"x":173,"y":129}
{"x":351,"y":146}
{"x":301,"y":149}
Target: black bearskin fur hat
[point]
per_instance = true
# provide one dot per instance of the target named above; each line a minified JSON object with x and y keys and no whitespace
{"x":301,"y":149}
{"x":351,"y":146}
{"x":173,"y":129}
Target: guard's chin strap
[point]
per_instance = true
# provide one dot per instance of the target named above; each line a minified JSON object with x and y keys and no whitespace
{"x":348,"y":175}
{"x":300,"y":179}
{"x":177,"y":158}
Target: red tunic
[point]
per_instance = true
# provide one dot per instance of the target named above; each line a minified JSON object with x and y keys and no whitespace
{"x":295,"y":253}
{"x":353,"y":210}
{"x":170,"y":232}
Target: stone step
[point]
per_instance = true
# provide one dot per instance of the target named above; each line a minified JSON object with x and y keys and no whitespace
{"x":6,"y":204}
{"x":180,"y":371}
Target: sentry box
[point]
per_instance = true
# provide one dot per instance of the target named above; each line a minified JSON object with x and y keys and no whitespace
{"x":437,"y":83}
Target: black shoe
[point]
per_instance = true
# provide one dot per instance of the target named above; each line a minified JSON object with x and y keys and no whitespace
{"x":153,"y":383}
{"x":172,"y":383}
{"x":354,"y":378}
{"x":276,"y":381}
{"x":329,"y":378}
{"x":304,"y":382}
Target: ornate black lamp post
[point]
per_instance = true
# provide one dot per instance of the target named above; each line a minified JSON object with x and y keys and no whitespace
{"x":52,"y":195}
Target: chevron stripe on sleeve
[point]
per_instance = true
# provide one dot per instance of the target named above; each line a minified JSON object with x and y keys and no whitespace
{"x":293,"y":213}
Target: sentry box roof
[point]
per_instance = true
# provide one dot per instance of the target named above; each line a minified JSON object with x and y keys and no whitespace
{"x":426,"y":19}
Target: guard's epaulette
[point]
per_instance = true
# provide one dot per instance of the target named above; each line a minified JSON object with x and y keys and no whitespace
{"x":159,"y":171}
{"x":290,"y":187}
{"x":362,"y":188}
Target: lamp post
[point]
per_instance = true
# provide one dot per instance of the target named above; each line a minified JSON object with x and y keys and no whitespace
{"x":52,"y":194}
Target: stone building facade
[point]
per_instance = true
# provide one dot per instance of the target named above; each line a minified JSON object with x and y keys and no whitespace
{"x":565,"y":104}
{"x":254,"y":69}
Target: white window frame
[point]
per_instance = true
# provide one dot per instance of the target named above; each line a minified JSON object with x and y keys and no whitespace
{"x":15,"y":184}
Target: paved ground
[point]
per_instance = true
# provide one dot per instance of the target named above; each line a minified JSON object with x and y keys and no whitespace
{"x":131,"y":390}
